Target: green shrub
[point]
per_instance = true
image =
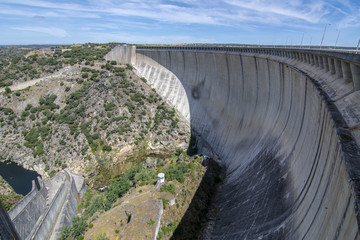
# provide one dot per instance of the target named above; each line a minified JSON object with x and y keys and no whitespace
{"x":170,"y":188}
{"x":98,"y":203}
{"x":78,"y":227}
{"x":151,"y":222}
{"x":109,"y":107}
{"x":106,"y":148}
{"x":146,"y":175}
{"x":167,"y":230}
{"x":66,"y":233}
{"x":52,"y":173}
{"x":102,"y":236}
{"x":85,"y":75}
{"x":130,"y":106}
{"x":118,"y":189}
{"x":28,"y":107}
{"x":39,"y":150}
{"x":176,"y":172}
{"x":7,"y":90}
{"x":47,"y":102}
{"x":128,"y":66}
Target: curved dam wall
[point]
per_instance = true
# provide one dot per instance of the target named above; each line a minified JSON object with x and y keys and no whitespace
{"x":284,"y":124}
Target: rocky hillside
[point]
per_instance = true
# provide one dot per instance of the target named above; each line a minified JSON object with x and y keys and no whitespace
{"x":93,"y":117}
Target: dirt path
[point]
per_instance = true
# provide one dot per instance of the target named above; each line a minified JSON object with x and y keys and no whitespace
{"x":66,"y":71}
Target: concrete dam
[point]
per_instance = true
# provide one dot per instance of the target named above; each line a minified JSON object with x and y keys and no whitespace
{"x":285,"y":124}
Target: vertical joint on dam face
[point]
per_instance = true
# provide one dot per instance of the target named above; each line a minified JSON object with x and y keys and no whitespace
{"x":346,"y":71}
{"x":338,"y":68}
{"x":332,"y":66}
{"x":326,"y":63}
{"x":355,"y":72}
{"x":321,"y":63}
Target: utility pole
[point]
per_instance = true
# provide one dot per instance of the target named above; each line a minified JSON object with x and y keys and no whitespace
{"x":322,"y":39}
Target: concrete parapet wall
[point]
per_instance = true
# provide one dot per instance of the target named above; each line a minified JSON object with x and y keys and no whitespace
{"x":46,"y":223}
{"x":69,"y":209}
{"x":279,"y":120}
{"x":23,"y":202}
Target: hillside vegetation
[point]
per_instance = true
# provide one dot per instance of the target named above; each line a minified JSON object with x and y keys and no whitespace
{"x":96,"y":118}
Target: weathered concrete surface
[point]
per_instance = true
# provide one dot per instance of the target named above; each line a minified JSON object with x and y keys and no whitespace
{"x":275,"y":119}
{"x":122,"y":54}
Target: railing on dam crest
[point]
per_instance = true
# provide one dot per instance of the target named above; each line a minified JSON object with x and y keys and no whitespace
{"x":340,"y":64}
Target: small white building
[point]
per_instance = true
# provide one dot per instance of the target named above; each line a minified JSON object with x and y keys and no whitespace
{"x":161,"y":178}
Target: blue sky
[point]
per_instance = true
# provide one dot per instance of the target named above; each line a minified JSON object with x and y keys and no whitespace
{"x":189,"y":21}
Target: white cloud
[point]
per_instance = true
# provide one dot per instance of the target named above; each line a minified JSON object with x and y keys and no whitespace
{"x":217,"y":12}
{"x":307,"y":12}
{"x":56,"y":32}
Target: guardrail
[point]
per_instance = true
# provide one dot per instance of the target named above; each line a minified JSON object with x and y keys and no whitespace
{"x":340,"y":64}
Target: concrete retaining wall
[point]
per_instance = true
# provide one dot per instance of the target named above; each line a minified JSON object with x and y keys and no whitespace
{"x":277,"y":121}
{"x":36,"y":218}
{"x":26,"y":213}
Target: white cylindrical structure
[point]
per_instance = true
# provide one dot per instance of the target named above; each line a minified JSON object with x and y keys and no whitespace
{"x":161,"y":178}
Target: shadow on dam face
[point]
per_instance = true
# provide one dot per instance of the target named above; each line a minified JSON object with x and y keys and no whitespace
{"x":290,"y":165}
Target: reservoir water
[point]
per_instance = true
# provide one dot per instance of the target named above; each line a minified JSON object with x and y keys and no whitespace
{"x":18,"y":177}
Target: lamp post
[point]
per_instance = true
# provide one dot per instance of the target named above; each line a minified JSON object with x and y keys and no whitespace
{"x":337,"y":37}
{"x":322,"y":39}
{"x":302,"y":38}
